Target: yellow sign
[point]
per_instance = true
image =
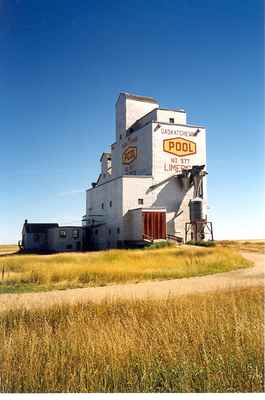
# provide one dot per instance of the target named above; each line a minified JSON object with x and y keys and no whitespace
{"x":129,"y":155}
{"x":179,"y":146}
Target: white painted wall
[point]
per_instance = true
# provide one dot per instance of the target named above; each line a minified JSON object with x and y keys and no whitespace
{"x":150,"y":176}
{"x":109,"y":217}
{"x":164,"y":116}
{"x":166,"y":164}
{"x":129,"y":110}
{"x":134,"y":225}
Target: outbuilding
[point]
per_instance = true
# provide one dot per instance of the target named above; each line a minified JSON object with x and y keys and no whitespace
{"x":45,"y":237}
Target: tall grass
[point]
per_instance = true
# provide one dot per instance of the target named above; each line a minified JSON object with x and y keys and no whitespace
{"x":40,"y":272}
{"x":257,"y":246}
{"x":8,"y":248}
{"x":203,"y":343}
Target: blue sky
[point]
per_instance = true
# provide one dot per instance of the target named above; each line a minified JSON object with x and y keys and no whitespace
{"x":62,"y":66}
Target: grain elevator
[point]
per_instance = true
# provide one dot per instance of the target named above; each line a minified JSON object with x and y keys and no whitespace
{"x":153,"y":179}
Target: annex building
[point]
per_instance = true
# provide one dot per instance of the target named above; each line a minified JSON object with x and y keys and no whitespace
{"x":50,"y":238}
{"x":152,"y":183}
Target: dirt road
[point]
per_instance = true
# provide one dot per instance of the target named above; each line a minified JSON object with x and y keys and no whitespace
{"x":152,"y":289}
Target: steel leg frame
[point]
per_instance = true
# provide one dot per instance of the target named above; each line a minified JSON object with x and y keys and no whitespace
{"x":199,"y":227}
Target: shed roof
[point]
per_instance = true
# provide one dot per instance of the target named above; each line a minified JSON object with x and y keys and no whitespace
{"x":38,"y":228}
{"x":145,"y":99}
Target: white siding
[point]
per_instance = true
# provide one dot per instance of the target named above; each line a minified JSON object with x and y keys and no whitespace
{"x":178,"y":116}
{"x":150,"y":176}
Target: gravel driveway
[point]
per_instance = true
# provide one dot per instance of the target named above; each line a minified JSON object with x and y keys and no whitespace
{"x":152,"y":289}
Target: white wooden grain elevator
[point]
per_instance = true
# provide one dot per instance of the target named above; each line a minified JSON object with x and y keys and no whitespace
{"x":152,"y":184}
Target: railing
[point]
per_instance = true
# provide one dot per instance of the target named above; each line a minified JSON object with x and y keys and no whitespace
{"x":148,"y":238}
{"x":177,"y":239}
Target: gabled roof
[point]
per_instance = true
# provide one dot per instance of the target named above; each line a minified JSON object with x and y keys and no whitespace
{"x":38,"y":228}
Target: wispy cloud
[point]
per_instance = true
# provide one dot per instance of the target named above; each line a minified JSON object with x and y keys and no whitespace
{"x":71,"y":192}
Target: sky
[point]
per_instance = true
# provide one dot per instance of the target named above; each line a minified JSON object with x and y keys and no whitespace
{"x":62,"y":66}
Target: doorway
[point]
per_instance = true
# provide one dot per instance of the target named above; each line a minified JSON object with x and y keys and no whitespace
{"x":154,"y":224}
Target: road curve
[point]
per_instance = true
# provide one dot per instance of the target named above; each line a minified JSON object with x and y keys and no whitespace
{"x":152,"y":289}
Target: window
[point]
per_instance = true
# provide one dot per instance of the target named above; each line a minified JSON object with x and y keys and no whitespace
{"x":109,"y":231}
{"x":102,"y":205}
{"x":69,"y":247}
{"x":171,"y":120}
{"x":75,"y":233}
{"x":62,"y":234}
{"x":96,"y":231}
{"x":201,"y":190}
{"x":110,"y":203}
{"x":120,"y":137}
{"x":118,"y":230}
{"x":140,"y":201}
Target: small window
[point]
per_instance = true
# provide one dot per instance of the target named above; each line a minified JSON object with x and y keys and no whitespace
{"x":96,"y":231}
{"x":140,"y":202}
{"x":75,"y":233}
{"x":201,"y":190}
{"x":110,"y":203}
{"x":62,"y":234}
{"x":69,"y":247}
{"x":120,"y":137}
{"x":102,"y":205}
{"x":118,"y":230}
{"x":171,"y":120}
{"x":109,"y":231}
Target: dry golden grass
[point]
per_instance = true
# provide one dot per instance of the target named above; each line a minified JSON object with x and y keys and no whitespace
{"x":257,"y":246}
{"x":69,"y":270}
{"x":8,"y":248}
{"x":200,"y":343}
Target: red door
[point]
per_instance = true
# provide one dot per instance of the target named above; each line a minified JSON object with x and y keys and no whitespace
{"x":154,"y":225}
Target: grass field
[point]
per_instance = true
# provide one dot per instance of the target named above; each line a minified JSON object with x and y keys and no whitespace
{"x":8,"y":248}
{"x":243,"y":245}
{"x":22,"y":273}
{"x":200,"y":343}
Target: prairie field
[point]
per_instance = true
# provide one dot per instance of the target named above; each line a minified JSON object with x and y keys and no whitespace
{"x":8,"y":248}
{"x":25,"y":272}
{"x":257,"y":246}
{"x":210,"y":342}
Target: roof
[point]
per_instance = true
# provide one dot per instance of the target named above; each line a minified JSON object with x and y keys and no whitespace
{"x":179,"y":110}
{"x":134,"y":125}
{"x":145,"y":99}
{"x":69,"y":227}
{"x":39,"y":228}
